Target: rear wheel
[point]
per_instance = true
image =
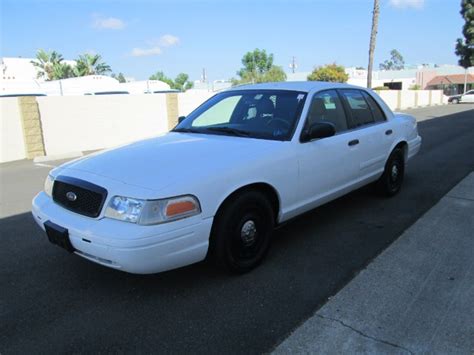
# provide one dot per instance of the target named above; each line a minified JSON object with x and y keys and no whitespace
{"x":391,"y":180}
{"x":242,"y":231}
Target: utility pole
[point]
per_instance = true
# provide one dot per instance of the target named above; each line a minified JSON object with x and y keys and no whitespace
{"x":293,"y":65}
{"x":203,"y":76}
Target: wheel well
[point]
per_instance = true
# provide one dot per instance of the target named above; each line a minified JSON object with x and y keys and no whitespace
{"x":404,"y":147}
{"x":268,"y":190}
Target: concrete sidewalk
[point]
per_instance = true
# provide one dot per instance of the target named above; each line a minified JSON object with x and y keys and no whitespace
{"x":416,"y":297}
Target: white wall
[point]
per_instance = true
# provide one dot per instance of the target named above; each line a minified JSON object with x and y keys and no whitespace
{"x":408,"y":99}
{"x":390,"y":97}
{"x":81,"y":123}
{"x":12,"y":144}
{"x":437,"y":97}
{"x":423,"y":97}
{"x":189,"y":100}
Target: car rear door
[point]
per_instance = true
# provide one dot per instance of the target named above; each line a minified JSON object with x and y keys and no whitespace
{"x":328,"y":165}
{"x":373,"y":133}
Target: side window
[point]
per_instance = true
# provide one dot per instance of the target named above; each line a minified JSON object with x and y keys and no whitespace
{"x":219,"y":113}
{"x":359,"y":109}
{"x":377,"y":112}
{"x":327,"y":107}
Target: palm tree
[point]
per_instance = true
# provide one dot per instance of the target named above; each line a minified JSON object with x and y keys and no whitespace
{"x":89,"y":64}
{"x":62,"y":71}
{"x":373,"y":37}
{"x":46,"y":62}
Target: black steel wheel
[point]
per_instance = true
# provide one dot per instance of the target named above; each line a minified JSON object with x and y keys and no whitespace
{"x":391,"y":180}
{"x":241,"y":233}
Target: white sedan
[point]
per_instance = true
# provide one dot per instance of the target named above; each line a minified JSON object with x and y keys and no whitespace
{"x":215,"y":186}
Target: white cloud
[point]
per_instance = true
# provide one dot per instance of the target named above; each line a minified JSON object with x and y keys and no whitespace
{"x":155,"y":46}
{"x":108,"y":23}
{"x":416,"y":4}
{"x":145,"y":52}
{"x":168,"y":40}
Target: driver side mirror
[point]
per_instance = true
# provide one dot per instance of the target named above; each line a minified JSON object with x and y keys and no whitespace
{"x":181,"y":119}
{"x":318,"y":130}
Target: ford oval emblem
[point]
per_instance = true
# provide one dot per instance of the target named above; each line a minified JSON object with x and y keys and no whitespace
{"x":71,"y":196}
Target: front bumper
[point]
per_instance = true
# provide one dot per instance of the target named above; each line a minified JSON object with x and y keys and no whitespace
{"x":127,"y":246}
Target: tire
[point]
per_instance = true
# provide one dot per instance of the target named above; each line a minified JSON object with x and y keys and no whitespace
{"x":391,"y":180}
{"x":241,"y":234}
{"x":455,"y":101}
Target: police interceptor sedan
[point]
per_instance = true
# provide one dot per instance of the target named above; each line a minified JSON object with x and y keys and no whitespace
{"x":243,"y":162}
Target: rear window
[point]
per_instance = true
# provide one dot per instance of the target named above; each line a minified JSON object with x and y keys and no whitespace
{"x":360,"y":112}
{"x":379,"y":116}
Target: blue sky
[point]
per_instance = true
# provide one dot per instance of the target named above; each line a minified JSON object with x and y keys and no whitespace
{"x":141,"y":37}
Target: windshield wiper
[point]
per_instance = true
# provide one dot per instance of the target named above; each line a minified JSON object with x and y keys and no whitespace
{"x":232,"y":131}
{"x":187,"y":130}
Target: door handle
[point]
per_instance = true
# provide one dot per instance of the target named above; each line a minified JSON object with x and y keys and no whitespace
{"x":353,"y":142}
{"x":388,"y":132}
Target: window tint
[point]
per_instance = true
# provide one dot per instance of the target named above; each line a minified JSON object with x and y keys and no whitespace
{"x":360,"y":111}
{"x":377,"y":112}
{"x":220,"y":113}
{"x":326,"y":107}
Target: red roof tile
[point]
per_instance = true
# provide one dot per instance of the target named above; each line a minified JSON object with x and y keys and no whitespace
{"x":450,"y":79}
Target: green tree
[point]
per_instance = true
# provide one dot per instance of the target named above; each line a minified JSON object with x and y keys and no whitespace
{"x":90,"y":64}
{"x":373,"y":38}
{"x":258,"y":68}
{"x":159,"y":75}
{"x":396,"y":61}
{"x":62,"y":71}
{"x":330,"y":72}
{"x":50,"y":64}
{"x":119,"y":77}
{"x":465,"y":47}
{"x":275,"y":73}
{"x":181,"y":82}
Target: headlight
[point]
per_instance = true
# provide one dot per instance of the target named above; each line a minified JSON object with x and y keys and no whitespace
{"x":48,"y":185}
{"x":148,"y":212}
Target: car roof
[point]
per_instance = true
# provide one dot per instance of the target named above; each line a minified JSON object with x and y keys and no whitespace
{"x":305,"y":86}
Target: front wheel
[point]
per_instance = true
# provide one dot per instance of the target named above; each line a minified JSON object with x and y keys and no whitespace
{"x":242,"y":230}
{"x":391,"y":180}
{"x":455,"y":101}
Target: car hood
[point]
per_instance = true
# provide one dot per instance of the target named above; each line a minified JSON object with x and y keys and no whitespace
{"x":162,"y":161}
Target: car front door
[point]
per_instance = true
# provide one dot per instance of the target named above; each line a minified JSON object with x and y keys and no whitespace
{"x":372,"y":130}
{"x":328,"y":165}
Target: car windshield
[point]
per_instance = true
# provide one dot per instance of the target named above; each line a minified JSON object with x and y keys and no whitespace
{"x":265,"y":114}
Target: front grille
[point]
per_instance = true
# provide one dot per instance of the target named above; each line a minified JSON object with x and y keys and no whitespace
{"x":79,"y":196}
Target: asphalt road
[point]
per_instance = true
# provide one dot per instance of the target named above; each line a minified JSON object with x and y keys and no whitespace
{"x":53,"y":302}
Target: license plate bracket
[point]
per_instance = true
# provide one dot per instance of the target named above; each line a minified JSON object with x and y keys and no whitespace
{"x":58,"y":235}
